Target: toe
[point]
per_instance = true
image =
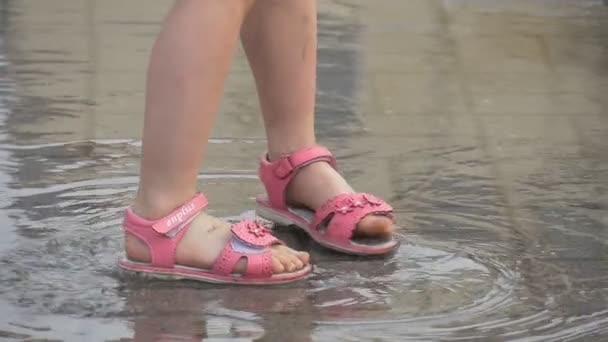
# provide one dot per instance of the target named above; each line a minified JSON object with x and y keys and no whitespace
{"x":294,"y":262}
{"x":375,"y":226}
{"x":298,"y":263}
{"x":277,"y":265}
{"x":295,"y":256}
{"x":303,"y":257}
{"x":285,"y":261}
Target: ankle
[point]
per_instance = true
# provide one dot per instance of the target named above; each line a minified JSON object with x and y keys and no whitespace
{"x":151,"y":206}
{"x":284,"y":144}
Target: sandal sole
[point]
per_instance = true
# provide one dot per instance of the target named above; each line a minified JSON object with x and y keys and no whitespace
{"x":281,"y":218}
{"x":188,"y":273}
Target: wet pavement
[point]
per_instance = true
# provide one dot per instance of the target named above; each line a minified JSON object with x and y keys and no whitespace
{"x":485,"y":123}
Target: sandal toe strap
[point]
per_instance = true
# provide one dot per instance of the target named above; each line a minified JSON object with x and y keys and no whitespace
{"x":250,"y":241}
{"x":342,"y":213}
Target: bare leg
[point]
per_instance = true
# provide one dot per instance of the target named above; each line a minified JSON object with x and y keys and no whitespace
{"x":189,"y":63}
{"x":280,"y":39}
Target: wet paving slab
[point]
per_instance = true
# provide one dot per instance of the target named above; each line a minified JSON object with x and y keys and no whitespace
{"x":485,"y":123}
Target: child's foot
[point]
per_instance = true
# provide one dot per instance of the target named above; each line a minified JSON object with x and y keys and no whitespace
{"x":305,"y":190}
{"x":203,"y":242}
{"x":316,"y":183}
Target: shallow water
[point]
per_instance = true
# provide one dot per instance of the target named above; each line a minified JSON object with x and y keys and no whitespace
{"x":484,"y":123}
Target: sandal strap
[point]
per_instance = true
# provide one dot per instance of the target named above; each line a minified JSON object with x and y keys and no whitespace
{"x":276,"y":175}
{"x":174,"y":221}
{"x":163,"y":235}
{"x":251,"y":240}
{"x":344,"y":213}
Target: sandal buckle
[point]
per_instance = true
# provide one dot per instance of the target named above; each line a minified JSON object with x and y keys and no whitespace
{"x":284,"y":168}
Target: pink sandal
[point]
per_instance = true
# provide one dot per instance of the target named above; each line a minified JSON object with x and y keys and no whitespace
{"x":250,"y":240}
{"x":333,"y":224}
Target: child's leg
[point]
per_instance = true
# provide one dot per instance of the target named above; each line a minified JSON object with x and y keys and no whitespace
{"x":188,"y":66}
{"x":280,"y":40}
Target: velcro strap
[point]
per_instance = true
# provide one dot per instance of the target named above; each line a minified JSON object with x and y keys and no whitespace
{"x":181,"y":215}
{"x":291,"y":162}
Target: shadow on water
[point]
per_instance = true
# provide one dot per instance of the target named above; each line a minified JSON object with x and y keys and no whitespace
{"x":496,"y":246}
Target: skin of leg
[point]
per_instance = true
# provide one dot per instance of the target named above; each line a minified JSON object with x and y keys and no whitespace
{"x":280,"y":40}
{"x":189,"y":64}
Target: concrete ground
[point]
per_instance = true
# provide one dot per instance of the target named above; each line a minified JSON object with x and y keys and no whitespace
{"x":484,"y":122}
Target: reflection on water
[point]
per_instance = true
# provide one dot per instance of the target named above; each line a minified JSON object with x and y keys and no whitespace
{"x":483,"y":122}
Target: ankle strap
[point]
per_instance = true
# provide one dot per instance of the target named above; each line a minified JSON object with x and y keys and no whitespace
{"x":288,"y":164}
{"x":277,"y":174}
{"x":182,"y":214}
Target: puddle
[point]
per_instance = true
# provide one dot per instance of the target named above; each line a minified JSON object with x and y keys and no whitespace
{"x":60,"y":282}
